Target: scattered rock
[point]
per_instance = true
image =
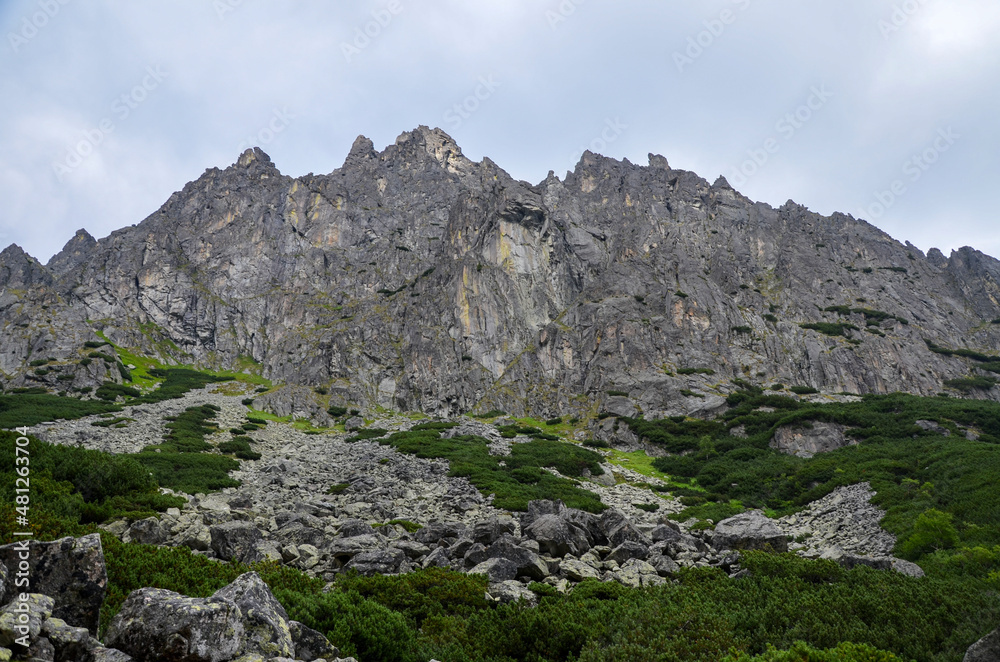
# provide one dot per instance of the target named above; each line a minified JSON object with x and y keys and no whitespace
{"x":749,"y":530}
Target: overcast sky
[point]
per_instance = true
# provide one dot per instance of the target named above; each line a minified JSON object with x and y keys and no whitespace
{"x":884,"y":109}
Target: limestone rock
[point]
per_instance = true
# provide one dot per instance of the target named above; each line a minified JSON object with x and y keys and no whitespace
{"x":807,"y":441}
{"x":156,"y":625}
{"x":69,"y":569}
{"x":236,"y":540}
{"x":749,"y":530}
{"x":265,"y":622}
{"x":986,"y":649}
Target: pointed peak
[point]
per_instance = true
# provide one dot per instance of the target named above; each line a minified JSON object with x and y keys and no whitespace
{"x":438,"y":145}
{"x":658,"y":161}
{"x":362,"y":150}
{"x":254,"y":155}
{"x":722,"y":182}
{"x":13,"y":252}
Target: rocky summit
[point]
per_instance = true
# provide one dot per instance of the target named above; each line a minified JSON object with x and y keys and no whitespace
{"x":416,"y":279}
{"x":416,"y":410}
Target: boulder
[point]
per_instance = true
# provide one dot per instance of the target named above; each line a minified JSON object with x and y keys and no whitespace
{"x":475,"y":555}
{"x":355,"y":527}
{"x":15,"y":622}
{"x":806,"y":442}
{"x":527,"y":562}
{"x":491,"y":530}
{"x":147,"y":531}
{"x":156,"y":625}
{"x":236,"y":540}
{"x":101,"y":654}
{"x":557,"y":537}
{"x":70,"y":569}
{"x":309,"y":644}
{"x":628,"y":550}
{"x":265,"y":622}
{"x":435,"y":532}
{"x":749,"y":530}
{"x":664,"y":565}
{"x":986,"y":649}
{"x":908,"y":568}
{"x":496,"y":569}
{"x":576,"y":570}
{"x":377,"y":561}
{"x":512,"y":591}
{"x":636,"y":573}
{"x":69,"y":643}
{"x":617,"y":528}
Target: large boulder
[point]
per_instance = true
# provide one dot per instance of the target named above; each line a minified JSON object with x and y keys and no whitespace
{"x":750,"y":530}
{"x":617,"y":528}
{"x":265,"y":622}
{"x":986,"y":649}
{"x":311,"y":645}
{"x":807,"y":441}
{"x":24,"y":619}
{"x":236,"y":540}
{"x":377,"y":561}
{"x":156,"y":625}
{"x":557,"y":537}
{"x":527,"y":562}
{"x":71,"y":570}
{"x":496,"y":569}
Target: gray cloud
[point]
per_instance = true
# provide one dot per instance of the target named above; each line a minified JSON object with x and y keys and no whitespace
{"x":136,"y":99}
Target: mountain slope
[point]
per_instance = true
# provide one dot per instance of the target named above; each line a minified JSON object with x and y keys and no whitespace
{"x":416,"y":279}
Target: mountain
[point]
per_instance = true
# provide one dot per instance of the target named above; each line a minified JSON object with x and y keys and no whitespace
{"x":416,"y":279}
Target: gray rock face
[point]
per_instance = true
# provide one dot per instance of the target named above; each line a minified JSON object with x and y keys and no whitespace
{"x":156,"y":625}
{"x":806,"y":442}
{"x":558,"y":537}
{"x":265,"y":622}
{"x":236,"y":540}
{"x":749,"y":530}
{"x":70,"y":569}
{"x":463,"y":251}
{"x":986,"y":649}
{"x":309,"y":644}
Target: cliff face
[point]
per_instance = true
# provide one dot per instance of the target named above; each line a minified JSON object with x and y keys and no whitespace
{"x":414,"y":278}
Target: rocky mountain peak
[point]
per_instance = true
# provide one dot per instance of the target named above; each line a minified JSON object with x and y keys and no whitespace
{"x":19,"y":270}
{"x":73,"y":253}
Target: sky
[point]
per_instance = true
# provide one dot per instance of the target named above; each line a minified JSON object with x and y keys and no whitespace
{"x":883,"y":109}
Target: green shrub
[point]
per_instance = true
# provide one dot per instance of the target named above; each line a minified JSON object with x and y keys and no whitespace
{"x":336,"y":411}
{"x":367,"y":433}
{"x":554,"y":421}
{"x":831,"y":329}
{"x":743,"y":329}
{"x":695,"y":371}
{"x":338,"y":488}
{"x":38,"y":362}
{"x":617,"y":393}
{"x":110,"y":391}
{"x":803,"y":390}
